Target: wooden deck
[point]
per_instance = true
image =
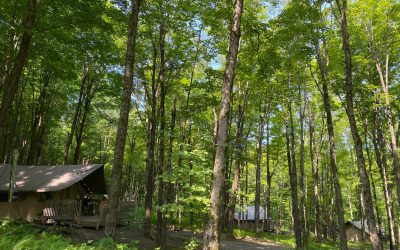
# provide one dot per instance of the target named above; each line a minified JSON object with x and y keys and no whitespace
{"x":95,"y":221}
{"x":90,"y":221}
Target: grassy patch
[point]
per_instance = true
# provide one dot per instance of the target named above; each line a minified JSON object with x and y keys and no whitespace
{"x":289,"y":241}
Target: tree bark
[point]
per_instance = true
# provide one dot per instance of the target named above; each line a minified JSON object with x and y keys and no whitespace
{"x":161,"y":230}
{"x":374,"y":237}
{"x":267,"y":207}
{"x":314,"y":169}
{"x":301,"y":172}
{"x":170,"y":186}
{"x":292,"y":173}
{"x":384,"y":79}
{"x":260,"y":138}
{"x":375,"y":198}
{"x":211,"y":229}
{"x":9,"y":52}
{"x":322,"y":63}
{"x":39,"y":123}
{"x":11,"y":81}
{"x":379,"y":144}
{"x":78,"y":108}
{"x":239,"y":162}
{"x":151,"y":140}
{"x":89,"y":92}
{"x":114,"y":191}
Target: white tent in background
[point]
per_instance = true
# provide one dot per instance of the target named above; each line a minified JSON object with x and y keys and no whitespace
{"x":248,"y":214}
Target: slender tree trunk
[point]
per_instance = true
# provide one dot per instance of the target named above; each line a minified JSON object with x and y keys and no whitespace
{"x":369,"y":157}
{"x":161,"y":230}
{"x":12,"y":44}
{"x":260,"y":138}
{"x":170,"y":188}
{"x":301,"y":177}
{"x":10,"y":86}
{"x":292,"y":174}
{"x":314,"y":169}
{"x":332,"y":153}
{"x":38,"y":123}
{"x":374,"y":237}
{"x":323,"y":205}
{"x":267,"y":207}
{"x":151,"y":140}
{"x":332,"y":211}
{"x":211,"y":229}
{"x":194,"y":64}
{"x":79,"y":135}
{"x":78,"y":108}
{"x":384,"y":79}
{"x":379,"y":149}
{"x":238,"y":164}
{"x":114,"y":191}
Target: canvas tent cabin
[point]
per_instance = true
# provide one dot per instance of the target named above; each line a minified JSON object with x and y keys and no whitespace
{"x":354,"y":230}
{"x":249,"y":214}
{"x":51,"y":190}
{"x":246,"y":217}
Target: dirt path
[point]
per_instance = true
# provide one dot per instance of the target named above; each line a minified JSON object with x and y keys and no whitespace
{"x":246,"y":243}
{"x":176,"y":239}
{"x":249,"y":244}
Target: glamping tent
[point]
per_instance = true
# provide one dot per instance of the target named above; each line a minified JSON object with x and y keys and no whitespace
{"x":246,"y":217}
{"x":51,"y":190}
{"x":354,"y":230}
{"x":249,"y":214}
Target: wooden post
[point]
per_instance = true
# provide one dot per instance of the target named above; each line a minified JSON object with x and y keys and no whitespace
{"x":12,"y":176}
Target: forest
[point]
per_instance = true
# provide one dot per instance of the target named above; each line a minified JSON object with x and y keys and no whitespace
{"x":202,"y":109}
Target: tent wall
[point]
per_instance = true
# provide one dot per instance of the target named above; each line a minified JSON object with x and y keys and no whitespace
{"x":29,"y":205}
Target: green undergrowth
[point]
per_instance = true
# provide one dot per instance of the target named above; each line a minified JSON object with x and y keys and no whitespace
{"x":288,"y":241}
{"x":15,"y":235}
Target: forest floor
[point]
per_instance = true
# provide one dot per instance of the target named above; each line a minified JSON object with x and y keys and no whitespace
{"x":21,"y":235}
{"x":175,"y":240}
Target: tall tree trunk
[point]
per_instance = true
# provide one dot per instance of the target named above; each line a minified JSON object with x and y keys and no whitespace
{"x":267,"y":206}
{"x":10,"y":87}
{"x":374,"y":236}
{"x":77,"y":114}
{"x":79,"y":133}
{"x":9,"y":53}
{"x":321,"y":57}
{"x":161,"y":230}
{"x":260,"y":138}
{"x":227,"y":168}
{"x":323,"y":203}
{"x":301,"y":172}
{"x":38,"y":122}
{"x":379,"y":144}
{"x":292,"y":174}
{"x":238,"y":163}
{"x":151,"y":140}
{"x":384,"y":79}
{"x":314,"y":169}
{"x":369,"y":157}
{"x":211,"y":229}
{"x":170,"y":186}
{"x":114,"y":191}
{"x":332,"y":211}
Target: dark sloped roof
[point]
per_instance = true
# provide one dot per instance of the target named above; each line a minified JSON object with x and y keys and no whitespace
{"x":47,"y":178}
{"x":358,"y":225}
